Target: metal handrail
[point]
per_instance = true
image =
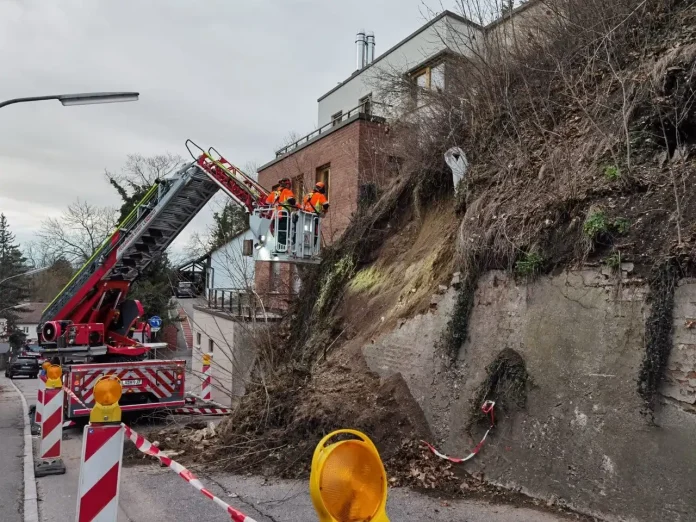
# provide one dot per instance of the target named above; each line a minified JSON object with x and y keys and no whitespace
{"x":359,"y":109}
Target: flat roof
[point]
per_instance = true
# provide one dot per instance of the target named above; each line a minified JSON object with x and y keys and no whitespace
{"x":439,"y":17}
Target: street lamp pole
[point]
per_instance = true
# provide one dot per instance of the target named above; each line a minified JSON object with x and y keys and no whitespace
{"x":27,"y":273}
{"x":79,"y":99}
{"x":20,"y":306}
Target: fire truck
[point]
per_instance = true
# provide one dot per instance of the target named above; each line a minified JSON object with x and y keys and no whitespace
{"x":89,"y":325}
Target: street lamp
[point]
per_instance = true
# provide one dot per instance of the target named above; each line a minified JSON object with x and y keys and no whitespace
{"x":27,"y":273}
{"x":13,"y":307}
{"x":80,"y":99}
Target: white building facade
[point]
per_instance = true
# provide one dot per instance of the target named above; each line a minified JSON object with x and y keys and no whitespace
{"x":229,"y":268}
{"x":419,"y":55}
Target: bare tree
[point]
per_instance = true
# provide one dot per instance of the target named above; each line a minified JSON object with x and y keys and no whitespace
{"x":77,"y":233}
{"x":142,"y":171}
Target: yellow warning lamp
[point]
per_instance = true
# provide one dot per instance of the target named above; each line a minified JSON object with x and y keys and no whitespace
{"x":206,"y":359}
{"x":46,"y":365}
{"x":107,"y":391}
{"x":348,"y":482}
{"x":53,"y":376}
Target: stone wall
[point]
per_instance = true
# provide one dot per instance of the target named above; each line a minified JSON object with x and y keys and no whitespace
{"x":582,"y":438}
{"x":680,"y":377}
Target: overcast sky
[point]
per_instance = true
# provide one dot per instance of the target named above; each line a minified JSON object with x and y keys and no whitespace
{"x":236,"y":75}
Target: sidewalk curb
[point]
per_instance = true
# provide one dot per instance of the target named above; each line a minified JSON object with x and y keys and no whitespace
{"x":31,"y":504}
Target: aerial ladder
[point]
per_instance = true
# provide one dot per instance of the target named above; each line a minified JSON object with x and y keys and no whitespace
{"x":91,"y":317}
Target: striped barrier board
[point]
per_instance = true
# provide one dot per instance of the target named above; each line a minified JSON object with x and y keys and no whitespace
{"x":203,"y":411}
{"x":216,"y":404}
{"x":52,"y":424}
{"x":206,"y":387}
{"x":145,"y":446}
{"x":100,"y":473}
{"x":40,"y":398}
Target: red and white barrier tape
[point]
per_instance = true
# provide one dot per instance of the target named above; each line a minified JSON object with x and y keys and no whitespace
{"x":145,"y":446}
{"x":487,"y":409}
{"x":204,"y":411}
{"x":72,"y":395}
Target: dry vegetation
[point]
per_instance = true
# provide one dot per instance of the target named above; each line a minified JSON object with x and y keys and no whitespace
{"x":580,"y":133}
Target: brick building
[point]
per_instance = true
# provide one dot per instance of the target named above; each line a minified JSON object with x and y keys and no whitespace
{"x":350,"y":149}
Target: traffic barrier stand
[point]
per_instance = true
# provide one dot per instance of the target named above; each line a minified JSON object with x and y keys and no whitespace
{"x":146,"y":447}
{"x":487,"y":409}
{"x":36,"y":421}
{"x":50,"y":462}
{"x":100,"y":472}
{"x":69,"y":424}
{"x":102,"y":454}
{"x":202,"y":411}
{"x":206,"y":384}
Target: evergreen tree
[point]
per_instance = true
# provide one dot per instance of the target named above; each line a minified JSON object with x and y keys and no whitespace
{"x":12,"y":262}
{"x":154,"y":286}
{"x":233,"y":220}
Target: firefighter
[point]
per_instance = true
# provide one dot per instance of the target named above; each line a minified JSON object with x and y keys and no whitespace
{"x":273,"y":196}
{"x":317,"y":203}
{"x":284,"y":200}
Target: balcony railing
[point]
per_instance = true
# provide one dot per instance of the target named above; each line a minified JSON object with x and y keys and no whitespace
{"x":367,"y":108}
{"x":246,"y":304}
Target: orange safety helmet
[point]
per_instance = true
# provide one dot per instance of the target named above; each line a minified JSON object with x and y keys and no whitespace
{"x":285,"y":183}
{"x":320,"y":187}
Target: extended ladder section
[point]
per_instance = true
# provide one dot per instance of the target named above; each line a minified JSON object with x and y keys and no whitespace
{"x":168,"y":207}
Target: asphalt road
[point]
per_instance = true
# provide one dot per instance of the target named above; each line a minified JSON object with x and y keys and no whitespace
{"x":150,"y":493}
{"x":11,"y":452}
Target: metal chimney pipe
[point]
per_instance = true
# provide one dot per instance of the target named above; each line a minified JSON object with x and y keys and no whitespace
{"x":370,"y":41}
{"x":360,"y":49}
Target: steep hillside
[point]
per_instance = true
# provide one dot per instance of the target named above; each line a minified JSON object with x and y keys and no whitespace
{"x":582,"y":156}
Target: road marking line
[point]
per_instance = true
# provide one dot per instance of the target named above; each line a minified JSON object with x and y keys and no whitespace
{"x":31,"y":505}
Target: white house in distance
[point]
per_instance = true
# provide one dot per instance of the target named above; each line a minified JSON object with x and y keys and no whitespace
{"x":221,"y":323}
{"x":28,"y":319}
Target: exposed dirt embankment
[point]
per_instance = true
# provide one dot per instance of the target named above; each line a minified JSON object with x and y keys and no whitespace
{"x":586,"y":158}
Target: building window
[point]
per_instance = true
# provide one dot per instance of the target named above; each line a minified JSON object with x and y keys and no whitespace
{"x":298,"y":187}
{"x":198,"y":338}
{"x":437,"y":78}
{"x":336,"y":118}
{"x":25,"y":329}
{"x":366,"y":104}
{"x":324,"y":175}
{"x":211,"y":345}
{"x":431,"y":78}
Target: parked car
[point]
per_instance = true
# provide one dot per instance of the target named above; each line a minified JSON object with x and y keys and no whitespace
{"x":23,"y":365}
{"x":33,"y":350}
{"x":185,"y":289}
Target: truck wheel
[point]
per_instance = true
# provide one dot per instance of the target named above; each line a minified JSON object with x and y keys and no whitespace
{"x":11,"y":376}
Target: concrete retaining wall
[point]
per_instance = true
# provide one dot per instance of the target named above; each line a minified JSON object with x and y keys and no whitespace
{"x":581,"y":439}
